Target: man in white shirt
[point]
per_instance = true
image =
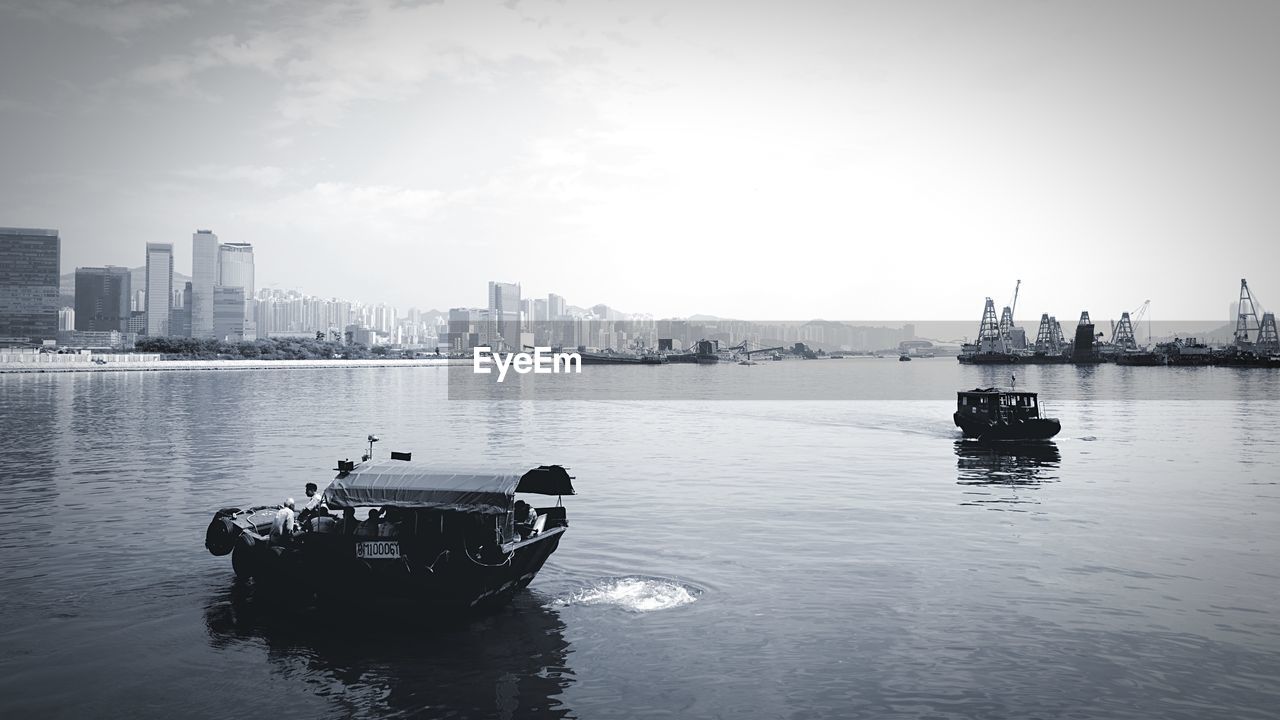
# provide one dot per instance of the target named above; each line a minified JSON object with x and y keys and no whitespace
{"x":284,"y":525}
{"x":312,"y":504}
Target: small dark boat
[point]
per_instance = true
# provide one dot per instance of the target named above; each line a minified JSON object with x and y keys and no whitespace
{"x":904,"y":358}
{"x":994,"y":414}
{"x":448,"y":538}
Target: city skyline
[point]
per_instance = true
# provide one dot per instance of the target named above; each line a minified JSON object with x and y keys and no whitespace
{"x":877,"y":160}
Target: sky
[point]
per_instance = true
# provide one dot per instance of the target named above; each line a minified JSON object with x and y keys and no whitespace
{"x":762,"y":160}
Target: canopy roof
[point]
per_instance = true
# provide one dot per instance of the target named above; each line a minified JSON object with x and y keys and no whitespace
{"x":416,"y":485}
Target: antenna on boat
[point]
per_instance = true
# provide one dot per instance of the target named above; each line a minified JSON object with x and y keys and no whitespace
{"x":369,"y":455}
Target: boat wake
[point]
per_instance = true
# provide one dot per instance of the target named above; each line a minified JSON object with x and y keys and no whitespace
{"x":633,"y":594}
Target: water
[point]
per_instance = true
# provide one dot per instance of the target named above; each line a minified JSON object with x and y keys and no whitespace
{"x":725,"y":559}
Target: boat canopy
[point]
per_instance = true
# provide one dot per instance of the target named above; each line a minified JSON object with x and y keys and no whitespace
{"x":415,"y":485}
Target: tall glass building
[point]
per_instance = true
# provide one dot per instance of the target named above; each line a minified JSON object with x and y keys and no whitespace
{"x":30,"y":259}
{"x":102,"y":299}
{"x":159,"y":297}
{"x":228,"y":313}
{"x":235,"y":266}
{"x":204,"y":277}
{"x":235,"y":270}
{"x":504,"y":314}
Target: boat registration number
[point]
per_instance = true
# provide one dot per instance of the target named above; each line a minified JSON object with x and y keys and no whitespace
{"x":383,"y":550}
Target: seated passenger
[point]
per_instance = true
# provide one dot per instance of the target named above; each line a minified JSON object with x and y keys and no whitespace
{"x":369,"y":528}
{"x":322,"y":521}
{"x":525,"y":517}
{"x":390,"y":525}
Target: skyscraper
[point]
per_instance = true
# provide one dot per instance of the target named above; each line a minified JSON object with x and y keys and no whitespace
{"x":504,"y":313}
{"x":228,"y":313}
{"x":235,"y":270}
{"x":204,"y":277}
{"x":555,"y":307}
{"x":235,"y":266}
{"x":159,"y":297}
{"x":180,"y":312}
{"x":29,"y":266}
{"x":102,"y":298}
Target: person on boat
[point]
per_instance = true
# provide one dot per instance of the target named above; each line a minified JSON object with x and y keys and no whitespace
{"x":322,"y":521}
{"x":390,"y":525}
{"x":369,"y":528}
{"x":525,"y":517}
{"x":284,"y":524}
{"x":313,"y":502}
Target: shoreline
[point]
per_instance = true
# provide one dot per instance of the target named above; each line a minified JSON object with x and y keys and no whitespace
{"x":172,"y":365}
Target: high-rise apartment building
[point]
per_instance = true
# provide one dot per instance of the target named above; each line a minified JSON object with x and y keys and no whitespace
{"x":159,"y":296}
{"x":103,"y":298}
{"x":204,"y":277}
{"x":504,"y":314}
{"x":29,"y":267}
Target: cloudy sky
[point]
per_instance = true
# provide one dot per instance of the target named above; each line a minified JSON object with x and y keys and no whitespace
{"x":779,"y":160}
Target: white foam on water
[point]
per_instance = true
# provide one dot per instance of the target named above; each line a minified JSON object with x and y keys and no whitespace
{"x":634,"y":594}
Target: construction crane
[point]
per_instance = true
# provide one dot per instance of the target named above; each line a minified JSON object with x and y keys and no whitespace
{"x":1006,"y":319}
{"x":1137,"y":316}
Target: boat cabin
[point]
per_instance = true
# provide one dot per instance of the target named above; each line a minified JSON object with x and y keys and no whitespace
{"x":994,"y":404}
{"x":392,"y":508}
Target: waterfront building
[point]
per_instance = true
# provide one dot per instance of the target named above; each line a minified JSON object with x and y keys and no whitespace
{"x":235,"y":270}
{"x":102,"y":299}
{"x":228,"y":313}
{"x":466,"y":329}
{"x":66,"y":319}
{"x":555,"y":307}
{"x":204,"y":278}
{"x":235,"y":266}
{"x":93,"y":339}
{"x":504,"y":314}
{"x":180,"y":313}
{"x":29,"y":295}
{"x":159,"y":297}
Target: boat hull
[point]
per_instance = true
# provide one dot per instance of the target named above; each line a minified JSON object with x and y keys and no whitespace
{"x":325,"y":568}
{"x":1012,"y":359}
{"x":1029,"y":429}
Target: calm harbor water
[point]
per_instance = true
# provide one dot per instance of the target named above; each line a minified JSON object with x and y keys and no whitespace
{"x":766,"y":558}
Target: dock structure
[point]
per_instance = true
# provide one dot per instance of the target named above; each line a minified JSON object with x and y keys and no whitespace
{"x":1047,"y":336}
{"x":1268,"y":341}
{"x":1122,"y":337}
{"x":990,"y":337}
{"x":1246,"y":319}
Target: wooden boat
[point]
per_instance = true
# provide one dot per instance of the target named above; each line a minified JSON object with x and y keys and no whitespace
{"x":994,"y":414}
{"x":448,"y":537}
